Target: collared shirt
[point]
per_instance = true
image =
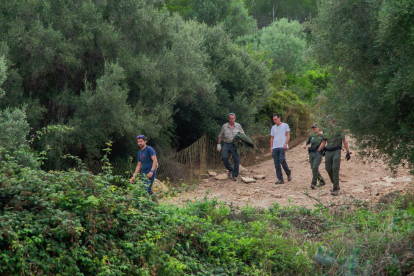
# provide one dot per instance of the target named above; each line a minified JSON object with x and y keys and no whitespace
{"x":315,"y":140}
{"x":228,"y":134}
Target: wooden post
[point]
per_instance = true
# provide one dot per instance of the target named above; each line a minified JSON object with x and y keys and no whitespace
{"x":203,"y":155}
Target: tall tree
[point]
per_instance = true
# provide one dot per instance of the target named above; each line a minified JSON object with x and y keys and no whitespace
{"x":370,"y":46}
{"x":267,"y":11}
{"x":232,"y":14}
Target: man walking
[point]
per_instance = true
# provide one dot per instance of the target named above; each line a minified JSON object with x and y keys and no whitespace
{"x":228,"y":132}
{"x":147,"y":163}
{"x":333,"y":139}
{"x":315,"y":141}
{"x":279,"y":139}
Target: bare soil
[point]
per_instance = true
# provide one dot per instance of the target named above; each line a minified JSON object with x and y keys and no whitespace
{"x":367,"y":182}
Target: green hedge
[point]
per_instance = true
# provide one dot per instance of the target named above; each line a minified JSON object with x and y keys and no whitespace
{"x":75,"y":223}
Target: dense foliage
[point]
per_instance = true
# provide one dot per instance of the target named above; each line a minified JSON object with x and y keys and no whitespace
{"x":369,"y":45}
{"x":267,"y":11}
{"x":112,"y":69}
{"x":284,"y":42}
{"x":75,"y":223}
{"x":231,"y":14}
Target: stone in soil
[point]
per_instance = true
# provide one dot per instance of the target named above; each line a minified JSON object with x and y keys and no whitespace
{"x":212,"y":173}
{"x":259,"y":177}
{"x":204,"y":176}
{"x":248,"y":180}
{"x":222,"y":176}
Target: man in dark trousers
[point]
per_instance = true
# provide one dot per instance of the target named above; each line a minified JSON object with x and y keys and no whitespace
{"x":147,"y":163}
{"x":315,"y":141}
{"x":228,"y":132}
{"x":333,"y":139}
{"x":279,"y":139}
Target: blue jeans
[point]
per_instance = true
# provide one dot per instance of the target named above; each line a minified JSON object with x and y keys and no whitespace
{"x":280,"y":159}
{"x":225,"y":155}
{"x":148,"y":181}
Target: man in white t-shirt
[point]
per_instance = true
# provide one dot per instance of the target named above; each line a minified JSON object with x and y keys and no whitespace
{"x":279,"y":139}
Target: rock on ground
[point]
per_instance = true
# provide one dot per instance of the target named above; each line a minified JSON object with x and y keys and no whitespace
{"x":158,"y":186}
{"x":248,"y":180}
{"x":222,"y":176}
{"x":212,"y":173}
{"x":389,"y":198}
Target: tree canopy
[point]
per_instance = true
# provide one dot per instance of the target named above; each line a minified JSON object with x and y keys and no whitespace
{"x":369,"y":45}
{"x":113,"y":69}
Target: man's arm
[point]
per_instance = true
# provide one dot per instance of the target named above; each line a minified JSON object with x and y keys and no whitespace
{"x":154,"y":165}
{"x":287,"y":140}
{"x":322,"y":145}
{"x":346,"y":145}
{"x":271,"y":143}
{"x":306,"y":143}
{"x":220,"y":135}
{"x":137,"y":169}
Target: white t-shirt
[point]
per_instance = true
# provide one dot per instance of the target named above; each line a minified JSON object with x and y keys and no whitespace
{"x":279,"y":135}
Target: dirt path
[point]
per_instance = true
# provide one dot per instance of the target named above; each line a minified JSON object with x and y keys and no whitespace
{"x":362,"y":181}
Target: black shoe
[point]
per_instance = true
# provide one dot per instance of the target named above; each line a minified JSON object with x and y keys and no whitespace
{"x":229,"y":174}
{"x":235,"y":178}
{"x":280,"y":182}
{"x":335,"y":192}
{"x":313,"y":187}
{"x":289,"y":177}
{"x":320,"y":184}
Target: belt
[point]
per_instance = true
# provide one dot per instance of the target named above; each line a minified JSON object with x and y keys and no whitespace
{"x":312,"y":150}
{"x":333,"y":149}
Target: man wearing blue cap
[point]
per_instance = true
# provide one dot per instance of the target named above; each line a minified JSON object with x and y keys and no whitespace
{"x":147,"y":163}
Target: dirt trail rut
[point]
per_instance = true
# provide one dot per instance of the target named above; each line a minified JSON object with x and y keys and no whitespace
{"x":362,"y":181}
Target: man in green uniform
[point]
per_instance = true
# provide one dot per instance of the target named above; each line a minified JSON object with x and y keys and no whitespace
{"x":333,"y":139}
{"x":315,"y":141}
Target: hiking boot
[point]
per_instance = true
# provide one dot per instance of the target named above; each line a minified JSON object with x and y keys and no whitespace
{"x":235,"y":178}
{"x":335,"y":189}
{"x":280,"y":182}
{"x":289,"y":177}
{"x":313,"y":187}
{"x":229,"y":174}
{"x":335,"y":192}
{"x":320,"y":184}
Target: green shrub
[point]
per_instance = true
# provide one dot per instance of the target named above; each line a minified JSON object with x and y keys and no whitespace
{"x":75,"y":223}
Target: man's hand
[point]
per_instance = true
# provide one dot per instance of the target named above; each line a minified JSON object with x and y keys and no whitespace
{"x":150,"y":174}
{"x":285,"y":146}
{"x":317,"y":154}
{"x":132,"y":180}
{"x":218,"y":147}
{"x":271,"y":150}
{"x":304,"y":147}
{"x":348,"y":155}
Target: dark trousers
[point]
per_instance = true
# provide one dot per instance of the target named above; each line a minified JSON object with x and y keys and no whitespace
{"x":228,"y":149}
{"x":314,"y":163}
{"x":332,"y":166}
{"x":280,"y":159}
{"x":148,"y":181}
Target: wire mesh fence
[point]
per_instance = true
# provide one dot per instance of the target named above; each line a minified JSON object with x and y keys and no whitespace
{"x":188,"y":164}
